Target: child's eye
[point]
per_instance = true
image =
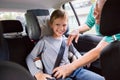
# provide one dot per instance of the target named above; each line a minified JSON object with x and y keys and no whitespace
{"x":58,"y":24}
{"x":64,"y":25}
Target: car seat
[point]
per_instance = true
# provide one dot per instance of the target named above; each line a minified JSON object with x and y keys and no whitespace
{"x":37,"y":23}
{"x":4,"y":54}
{"x":13,"y":71}
{"x":19,"y":45}
{"x":110,"y":25}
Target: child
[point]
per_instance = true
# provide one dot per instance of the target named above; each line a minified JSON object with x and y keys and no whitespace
{"x":50,"y":46}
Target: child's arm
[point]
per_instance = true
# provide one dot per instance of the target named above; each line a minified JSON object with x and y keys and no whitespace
{"x":30,"y":60}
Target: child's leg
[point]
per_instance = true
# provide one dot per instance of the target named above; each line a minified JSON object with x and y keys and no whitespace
{"x":83,"y":74}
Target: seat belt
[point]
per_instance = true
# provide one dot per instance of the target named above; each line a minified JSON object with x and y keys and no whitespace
{"x":60,"y":54}
{"x":58,"y":59}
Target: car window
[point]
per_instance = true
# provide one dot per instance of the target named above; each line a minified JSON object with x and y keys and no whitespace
{"x":81,"y":8}
{"x":14,"y":16}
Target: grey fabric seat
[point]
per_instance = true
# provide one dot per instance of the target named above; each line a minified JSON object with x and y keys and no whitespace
{"x":37,"y":23}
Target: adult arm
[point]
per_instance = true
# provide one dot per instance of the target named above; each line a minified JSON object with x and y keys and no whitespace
{"x":89,"y":57}
{"x":90,"y":21}
{"x":76,"y":33}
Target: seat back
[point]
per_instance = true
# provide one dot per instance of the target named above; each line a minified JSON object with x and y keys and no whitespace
{"x":13,"y":71}
{"x":110,"y":56}
{"x":4,"y":53}
{"x":110,"y":61}
{"x":19,"y":46}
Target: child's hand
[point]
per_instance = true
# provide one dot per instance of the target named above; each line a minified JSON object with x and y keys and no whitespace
{"x":42,"y":76}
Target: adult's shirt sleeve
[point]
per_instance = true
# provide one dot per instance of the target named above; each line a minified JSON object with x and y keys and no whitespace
{"x":90,"y":21}
{"x":110,"y":39}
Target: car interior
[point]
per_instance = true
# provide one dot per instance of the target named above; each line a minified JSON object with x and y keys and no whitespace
{"x":15,"y":46}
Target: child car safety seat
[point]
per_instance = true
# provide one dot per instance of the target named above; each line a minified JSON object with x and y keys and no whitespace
{"x":110,"y":25}
{"x":37,"y":23}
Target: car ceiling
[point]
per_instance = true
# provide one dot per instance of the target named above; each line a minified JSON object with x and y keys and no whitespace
{"x":23,"y":5}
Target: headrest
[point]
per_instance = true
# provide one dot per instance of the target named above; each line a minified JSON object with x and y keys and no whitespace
{"x":13,"y":71}
{"x":110,"y":18}
{"x":37,"y":23}
{"x":45,"y":28}
{"x":38,"y":12}
{"x":11,"y":26}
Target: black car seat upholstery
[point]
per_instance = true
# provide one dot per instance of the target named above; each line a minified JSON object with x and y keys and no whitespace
{"x":4,"y":53}
{"x":110,"y":25}
{"x":13,"y":71}
{"x":19,"y":46}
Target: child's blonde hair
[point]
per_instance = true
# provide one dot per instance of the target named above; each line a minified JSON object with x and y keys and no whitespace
{"x":58,"y":13}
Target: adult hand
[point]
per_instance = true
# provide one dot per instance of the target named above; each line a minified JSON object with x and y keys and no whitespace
{"x":63,"y":71}
{"x":73,"y":35}
{"x":42,"y":76}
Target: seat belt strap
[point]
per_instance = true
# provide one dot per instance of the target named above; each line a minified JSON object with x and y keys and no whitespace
{"x":60,"y":54}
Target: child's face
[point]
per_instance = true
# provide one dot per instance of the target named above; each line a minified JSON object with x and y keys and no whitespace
{"x":59,"y":27}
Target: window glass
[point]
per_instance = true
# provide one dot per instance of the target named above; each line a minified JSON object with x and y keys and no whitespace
{"x":72,"y":22}
{"x":82,"y":8}
{"x":14,"y":16}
